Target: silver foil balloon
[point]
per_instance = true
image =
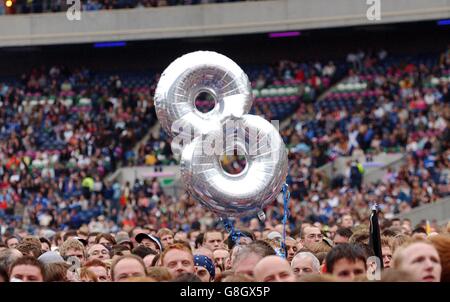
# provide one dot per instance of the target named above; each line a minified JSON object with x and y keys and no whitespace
{"x":237,"y":194}
{"x":192,"y":74}
{"x":202,"y":138}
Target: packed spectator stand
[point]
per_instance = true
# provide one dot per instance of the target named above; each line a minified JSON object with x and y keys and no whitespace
{"x":64,"y":131}
{"x":46,"y":6}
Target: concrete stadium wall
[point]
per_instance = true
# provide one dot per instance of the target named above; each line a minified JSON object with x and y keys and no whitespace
{"x":374,"y":171}
{"x":439,"y":211}
{"x":209,"y":20}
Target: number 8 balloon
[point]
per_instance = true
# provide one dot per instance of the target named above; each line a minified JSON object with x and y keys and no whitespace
{"x":202,"y":135}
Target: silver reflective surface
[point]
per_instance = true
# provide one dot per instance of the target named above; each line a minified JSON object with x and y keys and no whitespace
{"x":244,"y":193}
{"x":227,"y":127}
{"x":192,"y":74}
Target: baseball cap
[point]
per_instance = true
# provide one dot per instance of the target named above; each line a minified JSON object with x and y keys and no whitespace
{"x":50,"y":257}
{"x":274,"y":235}
{"x":122,"y":237}
{"x":207,"y":263}
{"x":141,"y":236}
{"x":83,"y":241}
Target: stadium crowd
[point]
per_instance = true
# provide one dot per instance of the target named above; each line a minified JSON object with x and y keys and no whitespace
{"x":55,"y":156}
{"x":150,"y":255}
{"x":43,"y":6}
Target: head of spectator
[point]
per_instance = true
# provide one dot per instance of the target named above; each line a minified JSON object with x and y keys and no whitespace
{"x":119,"y":250}
{"x":86,"y":275}
{"x":122,"y":238}
{"x":419,"y":233}
{"x":248,"y":256}
{"x":310,"y":235}
{"x":398,"y":241}
{"x":192,"y":237}
{"x":442,"y":245}
{"x":222,"y":259}
{"x":243,"y":236}
{"x":27,"y":269}
{"x":45,"y":244}
{"x":166,"y":237}
{"x":386,"y":251}
{"x":406,"y":227}
{"x":213,"y":240}
{"x":360,"y":235}
{"x":56,"y":272}
{"x":73,"y":248}
{"x":98,"y":251}
{"x":199,"y":240}
{"x":106,"y":239}
{"x":142,"y":251}
{"x":159,"y":273}
{"x":12,"y":242}
{"x":420,"y":259}
{"x":291,"y":248}
{"x":99,"y":268}
{"x":91,"y":238}
{"x":58,"y":239}
{"x":28,"y":248}
{"x":7,"y":257}
{"x":396,"y":223}
{"x":127,"y":266}
{"x":305,"y":263}
{"x":187,"y":278}
{"x":204,"y":268}
{"x":346,"y":262}
{"x":394,"y":275}
{"x":346,"y":221}
{"x":204,"y":251}
{"x":70,"y":234}
{"x":50,"y":257}
{"x":178,"y":259}
{"x":274,"y":269}
{"x":148,"y":259}
{"x":181,"y":236}
{"x":342,"y":235}
{"x":149,"y":241}
{"x":233,"y":277}
{"x":156,"y":260}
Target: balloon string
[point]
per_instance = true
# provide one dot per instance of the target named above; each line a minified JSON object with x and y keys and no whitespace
{"x":286,"y":197}
{"x":235,"y":236}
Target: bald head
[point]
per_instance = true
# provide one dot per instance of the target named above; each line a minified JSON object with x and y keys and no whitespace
{"x":305,"y":263}
{"x":205,"y":252}
{"x":273,"y":269}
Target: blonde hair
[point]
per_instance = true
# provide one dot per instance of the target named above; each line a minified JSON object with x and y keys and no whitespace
{"x":399,"y":240}
{"x":164,"y":232}
{"x":159,"y":273}
{"x":70,"y":244}
{"x":397,"y":258}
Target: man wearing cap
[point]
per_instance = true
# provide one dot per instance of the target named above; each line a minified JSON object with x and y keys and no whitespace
{"x":124,"y":239}
{"x":149,"y":241}
{"x":204,"y":268}
{"x":50,"y":257}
